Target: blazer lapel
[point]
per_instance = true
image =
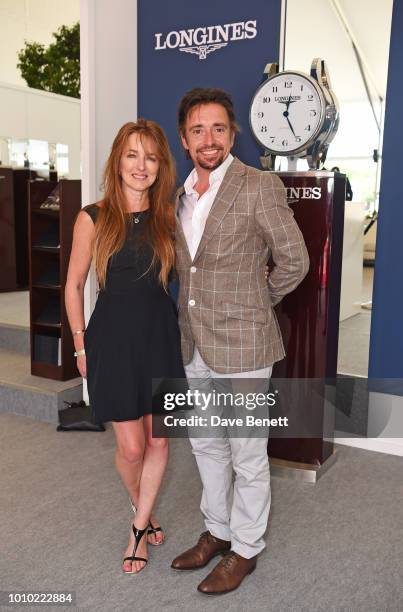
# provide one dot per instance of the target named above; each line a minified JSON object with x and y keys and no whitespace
{"x":179,"y":235}
{"x":229,"y":188}
{"x":179,"y":193}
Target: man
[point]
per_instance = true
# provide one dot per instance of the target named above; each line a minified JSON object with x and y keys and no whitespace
{"x":231,"y":217}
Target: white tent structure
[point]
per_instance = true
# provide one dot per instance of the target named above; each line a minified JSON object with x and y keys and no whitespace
{"x":353,"y":37}
{"x":346,"y":33}
{"x":318,"y":28}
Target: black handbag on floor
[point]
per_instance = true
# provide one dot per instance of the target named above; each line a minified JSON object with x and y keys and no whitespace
{"x":78,"y":417}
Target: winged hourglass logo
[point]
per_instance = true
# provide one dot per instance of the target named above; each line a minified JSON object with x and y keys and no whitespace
{"x":203,"y":50}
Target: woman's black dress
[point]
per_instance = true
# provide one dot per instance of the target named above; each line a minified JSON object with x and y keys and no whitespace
{"x":132,"y":338}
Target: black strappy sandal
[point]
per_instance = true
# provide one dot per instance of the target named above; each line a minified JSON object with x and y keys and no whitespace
{"x":151,"y":529}
{"x":138,"y":534}
{"x":154,"y":530}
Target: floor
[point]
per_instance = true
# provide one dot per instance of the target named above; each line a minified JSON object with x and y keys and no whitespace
{"x":15,"y":369}
{"x":334,"y":546}
{"x":354,"y":334}
{"x":353,"y":352}
{"x":14,"y":308}
{"x":24,"y":393}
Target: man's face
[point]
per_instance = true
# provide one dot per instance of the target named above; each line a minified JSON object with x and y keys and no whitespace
{"x":208,"y":136}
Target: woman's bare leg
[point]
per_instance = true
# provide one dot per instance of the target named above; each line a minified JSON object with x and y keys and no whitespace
{"x":141,"y":461}
{"x":129,"y":465}
{"x":130,"y":445}
{"x":130,"y":442}
{"x":154,"y":465}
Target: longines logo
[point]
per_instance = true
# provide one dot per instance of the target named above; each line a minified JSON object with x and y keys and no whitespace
{"x":202,"y":41}
{"x":295,"y":194}
{"x":286,"y":98}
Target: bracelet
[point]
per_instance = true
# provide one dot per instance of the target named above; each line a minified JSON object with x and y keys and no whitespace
{"x":80,"y":331}
{"x":78,"y":353}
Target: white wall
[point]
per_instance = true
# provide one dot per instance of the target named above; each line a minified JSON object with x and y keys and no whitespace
{"x":109,"y":82}
{"x":33,"y":114}
{"x":108,"y":93}
{"x":33,"y":20}
{"x":108,"y":90}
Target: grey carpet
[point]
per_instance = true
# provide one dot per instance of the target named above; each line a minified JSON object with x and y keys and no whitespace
{"x":28,"y":395}
{"x":353,"y":352}
{"x":64,"y":519}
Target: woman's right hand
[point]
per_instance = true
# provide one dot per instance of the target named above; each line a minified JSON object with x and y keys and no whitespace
{"x":82,"y":365}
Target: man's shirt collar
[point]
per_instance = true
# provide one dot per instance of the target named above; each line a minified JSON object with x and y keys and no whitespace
{"x":215,"y":176}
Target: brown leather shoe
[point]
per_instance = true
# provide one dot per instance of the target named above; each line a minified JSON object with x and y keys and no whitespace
{"x":228,"y":574}
{"x":207,"y":547}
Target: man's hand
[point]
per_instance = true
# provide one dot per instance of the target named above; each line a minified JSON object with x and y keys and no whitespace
{"x":283,"y":237}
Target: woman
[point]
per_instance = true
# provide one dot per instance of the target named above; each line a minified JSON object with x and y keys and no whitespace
{"x":132,"y":336}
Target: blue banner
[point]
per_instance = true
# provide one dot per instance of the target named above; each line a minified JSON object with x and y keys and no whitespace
{"x":386,"y":344}
{"x":185,"y":44}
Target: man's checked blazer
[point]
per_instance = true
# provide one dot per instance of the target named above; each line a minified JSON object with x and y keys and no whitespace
{"x":225,"y":303}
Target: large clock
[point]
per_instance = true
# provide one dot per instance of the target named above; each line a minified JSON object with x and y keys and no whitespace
{"x":295,"y":115}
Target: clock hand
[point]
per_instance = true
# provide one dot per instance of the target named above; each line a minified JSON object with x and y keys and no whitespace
{"x":288,"y":104}
{"x":285,"y":114}
{"x":291,"y":128}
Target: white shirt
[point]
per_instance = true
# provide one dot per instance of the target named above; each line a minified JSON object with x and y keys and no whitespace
{"x":194,"y":209}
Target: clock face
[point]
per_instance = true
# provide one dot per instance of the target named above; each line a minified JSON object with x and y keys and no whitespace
{"x":286,"y":113}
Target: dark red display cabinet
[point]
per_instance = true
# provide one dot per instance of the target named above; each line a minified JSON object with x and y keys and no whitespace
{"x":309,"y":321}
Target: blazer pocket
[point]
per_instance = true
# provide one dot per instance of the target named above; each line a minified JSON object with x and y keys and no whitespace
{"x":246,"y":313}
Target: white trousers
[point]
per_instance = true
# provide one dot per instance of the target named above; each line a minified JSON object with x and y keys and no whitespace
{"x":235,"y":509}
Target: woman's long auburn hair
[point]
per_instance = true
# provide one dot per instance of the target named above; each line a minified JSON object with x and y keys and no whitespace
{"x":112,"y":223}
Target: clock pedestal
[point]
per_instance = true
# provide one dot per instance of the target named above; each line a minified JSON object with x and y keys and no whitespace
{"x":309,"y":322}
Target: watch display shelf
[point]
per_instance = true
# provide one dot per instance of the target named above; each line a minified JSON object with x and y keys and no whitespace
{"x":50,"y":238}
{"x":8,"y":265}
{"x":14,"y":273}
{"x":22,"y":178}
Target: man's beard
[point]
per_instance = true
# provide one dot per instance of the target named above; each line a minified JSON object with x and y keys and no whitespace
{"x":210,"y":166}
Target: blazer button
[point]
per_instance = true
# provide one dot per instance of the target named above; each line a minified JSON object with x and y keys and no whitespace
{"x":192,"y":302}
{"x":193,"y":269}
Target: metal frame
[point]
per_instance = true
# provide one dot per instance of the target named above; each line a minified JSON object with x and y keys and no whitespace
{"x":303,"y":472}
{"x":319,"y":128}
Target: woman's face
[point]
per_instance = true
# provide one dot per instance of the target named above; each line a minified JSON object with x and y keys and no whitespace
{"x":138,"y":165}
